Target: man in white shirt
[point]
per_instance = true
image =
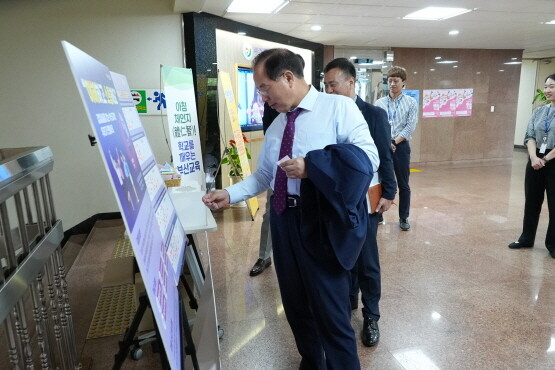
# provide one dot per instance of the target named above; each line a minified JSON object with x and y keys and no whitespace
{"x":315,"y":292}
{"x":402,"y":112}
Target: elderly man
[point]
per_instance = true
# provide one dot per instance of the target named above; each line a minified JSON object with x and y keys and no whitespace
{"x":311,"y":152}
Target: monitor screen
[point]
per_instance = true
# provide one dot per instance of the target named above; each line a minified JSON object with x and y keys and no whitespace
{"x":250,"y":106}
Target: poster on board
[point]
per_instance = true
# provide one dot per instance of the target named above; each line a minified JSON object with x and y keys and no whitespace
{"x":156,"y":235}
{"x":184,"y":132}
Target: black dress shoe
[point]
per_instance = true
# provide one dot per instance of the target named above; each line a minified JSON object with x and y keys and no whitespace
{"x":370,"y":332}
{"x":404,"y":224}
{"x":260,"y":266}
{"x":380,"y":219}
{"x":518,"y":245}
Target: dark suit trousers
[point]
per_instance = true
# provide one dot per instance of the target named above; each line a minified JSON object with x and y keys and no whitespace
{"x":536,"y":184}
{"x":401,"y":165}
{"x":315,"y":298}
{"x":366,"y":273}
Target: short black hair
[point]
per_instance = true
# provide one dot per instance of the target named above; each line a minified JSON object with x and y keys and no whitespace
{"x":552,"y":76}
{"x":344,"y":65}
{"x":302,"y":59}
{"x":278,"y":60}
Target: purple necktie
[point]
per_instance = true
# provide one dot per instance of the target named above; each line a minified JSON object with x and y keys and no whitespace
{"x":279,"y":199}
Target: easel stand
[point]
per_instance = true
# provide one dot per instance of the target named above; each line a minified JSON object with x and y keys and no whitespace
{"x":130,"y":339}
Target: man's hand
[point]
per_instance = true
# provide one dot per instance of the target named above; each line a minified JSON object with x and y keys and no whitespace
{"x":294,"y":168}
{"x":216,"y":199}
{"x":537,"y":163}
{"x":383,"y":205}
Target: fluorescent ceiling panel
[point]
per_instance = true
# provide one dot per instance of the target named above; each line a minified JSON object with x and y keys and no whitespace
{"x":433,"y":13}
{"x":256,"y":6}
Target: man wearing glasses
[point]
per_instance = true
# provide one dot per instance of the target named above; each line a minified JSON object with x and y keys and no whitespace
{"x":313,"y":279}
{"x":402,"y":112}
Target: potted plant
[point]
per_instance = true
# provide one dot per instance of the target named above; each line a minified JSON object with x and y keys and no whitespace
{"x":231,"y":157}
{"x":540,"y":97}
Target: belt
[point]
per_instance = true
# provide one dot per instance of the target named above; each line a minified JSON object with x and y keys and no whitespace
{"x":293,"y":201}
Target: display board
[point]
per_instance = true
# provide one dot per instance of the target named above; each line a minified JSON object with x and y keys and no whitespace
{"x":181,"y":108}
{"x":156,"y":234}
{"x":237,"y":134}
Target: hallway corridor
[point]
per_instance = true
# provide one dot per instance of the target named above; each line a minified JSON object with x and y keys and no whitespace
{"x":453,"y":295}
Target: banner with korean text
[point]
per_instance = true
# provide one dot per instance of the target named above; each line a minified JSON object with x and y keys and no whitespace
{"x":181,"y":108}
{"x":231,"y":104}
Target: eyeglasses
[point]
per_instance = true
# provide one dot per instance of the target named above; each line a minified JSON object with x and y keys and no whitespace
{"x":264,"y":90}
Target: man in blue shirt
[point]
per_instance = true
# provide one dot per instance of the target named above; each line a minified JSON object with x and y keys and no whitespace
{"x":314,"y":289}
{"x":340,"y":79}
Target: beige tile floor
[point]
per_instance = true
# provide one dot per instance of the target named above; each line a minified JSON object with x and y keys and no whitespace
{"x":454,"y":296}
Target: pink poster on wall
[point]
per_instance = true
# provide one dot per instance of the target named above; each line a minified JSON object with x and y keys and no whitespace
{"x":430,"y":103}
{"x":447,"y":103}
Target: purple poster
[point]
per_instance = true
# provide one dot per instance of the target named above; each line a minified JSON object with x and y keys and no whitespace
{"x":447,"y":103}
{"x":155,"y":232}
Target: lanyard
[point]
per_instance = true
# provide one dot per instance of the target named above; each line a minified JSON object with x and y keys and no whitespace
{"x":395,"y":111}
{"x":547,"y":124}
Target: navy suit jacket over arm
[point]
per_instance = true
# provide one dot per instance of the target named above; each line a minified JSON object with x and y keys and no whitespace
{"x":334,"y":212}
{"x":380,"y":130}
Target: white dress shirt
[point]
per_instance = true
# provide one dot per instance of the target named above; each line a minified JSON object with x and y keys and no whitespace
{"x":326,"y":119}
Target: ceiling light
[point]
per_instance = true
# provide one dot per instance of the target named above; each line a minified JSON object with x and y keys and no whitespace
{"x":433,"y":13}
{"x":353,"y":57}
{"x":514,"y":58}
{"x":513,"y":62}
{"x":455,"y":66}
{"x":242,"y":33}
{"x":454,"y":32}
{"x":256,"y":6}
{"x":550,"y":22}
{"x":447,"y":62}
{"x":437,"y":58}
{"x":501,"y":70}
{"x":316,"y":28}
{"x":432,"y":69}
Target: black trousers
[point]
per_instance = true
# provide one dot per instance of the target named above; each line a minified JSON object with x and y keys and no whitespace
{"x":366,"y":273}
{"x":401,"y":165}
{"x":315,"y":296}
{"x":537,"y":183}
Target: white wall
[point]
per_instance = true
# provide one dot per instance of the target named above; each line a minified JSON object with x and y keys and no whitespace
{"x":525,"y":96}
{"x":40,"y":104}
